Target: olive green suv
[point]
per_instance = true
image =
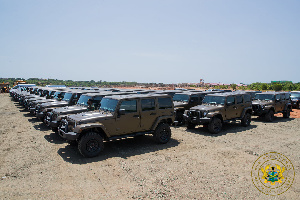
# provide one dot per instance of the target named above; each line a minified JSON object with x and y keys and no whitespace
{"x":267,"y":104}
{"x":120,"y":116}
{"x":219,"y":108}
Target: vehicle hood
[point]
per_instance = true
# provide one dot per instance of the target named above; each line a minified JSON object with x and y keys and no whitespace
{"x":55,"y":104}
{"x":210,"y":108}
{"x":262,"y":102}
{"x":90,"y":116}
{"x":69,"y":109}
{"x":295,"y":98}
{"x":39,"y":101}
{"x":179,"y":103}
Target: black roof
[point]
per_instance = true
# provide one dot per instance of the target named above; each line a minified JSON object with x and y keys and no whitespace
{"x":134,"y":96}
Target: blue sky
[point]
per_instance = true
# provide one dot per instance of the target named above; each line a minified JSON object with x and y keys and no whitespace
{"x":168,"y":41}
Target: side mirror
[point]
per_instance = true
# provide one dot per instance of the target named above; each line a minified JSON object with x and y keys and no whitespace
{"x":122,"y":112}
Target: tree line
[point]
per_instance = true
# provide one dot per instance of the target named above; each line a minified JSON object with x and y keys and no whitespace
{"x":274,"y":86}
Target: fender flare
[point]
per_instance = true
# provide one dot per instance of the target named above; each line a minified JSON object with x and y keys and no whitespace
{"x":162,"y":118}
{"x":80,"y":128}
{"x":245,"y":110}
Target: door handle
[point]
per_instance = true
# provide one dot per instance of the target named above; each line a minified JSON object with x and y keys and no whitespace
{"x":153,"y":114}
{"x":136,"y":116}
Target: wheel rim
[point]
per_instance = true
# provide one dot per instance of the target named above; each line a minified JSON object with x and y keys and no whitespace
{"x":92,"y":145}
{"x":248,"y":120}
{"x":164,"y":134}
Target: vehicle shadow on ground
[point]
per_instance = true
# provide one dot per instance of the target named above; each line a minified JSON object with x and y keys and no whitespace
{"x":55,"y":138}
{"x":123,"y":148}
{"x":232,"y":127}
{"x":41,"y":126}
{"x":276,"y":119}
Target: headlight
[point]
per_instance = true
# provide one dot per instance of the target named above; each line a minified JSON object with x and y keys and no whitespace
{"x":54,"y":116}
{"x":205,"y":113}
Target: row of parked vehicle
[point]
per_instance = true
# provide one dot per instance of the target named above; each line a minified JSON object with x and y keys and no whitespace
{"x":89,"y":116}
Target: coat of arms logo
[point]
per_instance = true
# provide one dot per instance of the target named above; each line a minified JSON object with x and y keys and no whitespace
{"x":273,"y":173}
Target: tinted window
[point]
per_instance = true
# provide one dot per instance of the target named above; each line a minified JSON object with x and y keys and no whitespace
{"x":287,"y":96}
{"x":230,"y":101}
{"x":108,"y":104}
{"x":165,"y":103}
{"x":277,"y":97}
{"x":148,"y":104}
{"x":247,"y":98}
{"x":239,"y":99}
{"x":194,"y":98}
{"x":129,"y":106}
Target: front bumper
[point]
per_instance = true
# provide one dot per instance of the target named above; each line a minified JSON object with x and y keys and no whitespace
{"x":259,"y":112}
{"x":40,"y":115}
{"x":53,"y":124}
{"x":197,"y":120}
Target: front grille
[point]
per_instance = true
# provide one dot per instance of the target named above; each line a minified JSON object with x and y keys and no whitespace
{"x":255,"y":107}
{"x":196,"y":114}
{"x":64,"y":125}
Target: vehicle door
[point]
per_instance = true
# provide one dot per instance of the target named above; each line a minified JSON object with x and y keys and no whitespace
{"x":230,"y":108}
{"x":148,"y":113}
{"x":129,"y":121}
{"x":278,"y":103}
{"x":239,"y":105}
{"x":194,"y":100}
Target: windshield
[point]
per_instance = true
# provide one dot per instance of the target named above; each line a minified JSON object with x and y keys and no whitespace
{"x":67,"y":96}
{"x":295,"y":95}
{"x":58,"y":95}
{"x":83,"y":100}
{"x":266,"y":97}
{"x":108,"y":104}
{"x":181,"y":97}
{"x":214,"y":100}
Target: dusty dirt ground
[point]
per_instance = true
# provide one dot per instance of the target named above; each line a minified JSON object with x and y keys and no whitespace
{"x":35,"y":163}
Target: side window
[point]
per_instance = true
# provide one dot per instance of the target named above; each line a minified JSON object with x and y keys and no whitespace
{"x":230,"y":101}
{"x":97,"y":101}
{"x":239,"y":99}
{"x":165,"y":103}
{"x":247,"y":98}
{"x":129,"y":106}
{"x":277,"y":97}
{"x":194,"y":98}
{"x":148,"y":104}
{"x":282,"y":96}
{"x":287,"y":96}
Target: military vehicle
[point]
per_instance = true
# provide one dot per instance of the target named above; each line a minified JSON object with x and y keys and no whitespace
{"x":295,"y":98}
{"x":267,"y":104}
{"x":219,"y":108}
{"x":70,"y":98}
{"x":54,"y":117}
{"x":184,"y":101}
{"x":120,"y":116}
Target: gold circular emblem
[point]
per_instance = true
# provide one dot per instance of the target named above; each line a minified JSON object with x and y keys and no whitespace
{"x":273,"y":173}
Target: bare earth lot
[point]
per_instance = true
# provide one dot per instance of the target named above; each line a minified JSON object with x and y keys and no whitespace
{"x":35,"y":163}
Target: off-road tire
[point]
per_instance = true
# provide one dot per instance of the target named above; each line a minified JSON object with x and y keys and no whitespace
{"x":269,"y":116}
{"x":215,"y":125}
{"x":180,"y":118}
{"x":246,"y":120}
{"x":190,"y":125}
{"x":162,"y":133}
{"x":90,"y":144}
{"x":287,"y":113}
